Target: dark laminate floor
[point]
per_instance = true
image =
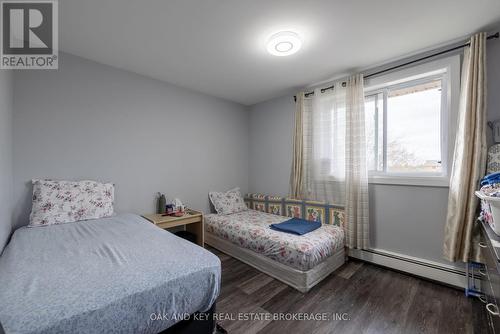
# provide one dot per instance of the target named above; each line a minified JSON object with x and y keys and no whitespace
{"x":374,"y":299}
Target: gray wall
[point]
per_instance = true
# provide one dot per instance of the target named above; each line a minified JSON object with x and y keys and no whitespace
{"x":493,"y":61}
{"x":91,"y":121}
{"x":271,"y":125}
{"x":6,"y":112}
{"x":404,"y":219}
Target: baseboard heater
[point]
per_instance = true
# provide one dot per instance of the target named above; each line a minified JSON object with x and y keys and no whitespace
{"x":419,"y":267}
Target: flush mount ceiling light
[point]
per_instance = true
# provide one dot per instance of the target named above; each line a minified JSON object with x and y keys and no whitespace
{"x":284,"y":43}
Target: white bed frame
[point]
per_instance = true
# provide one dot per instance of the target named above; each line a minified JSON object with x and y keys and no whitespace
{"x":298,"y":279}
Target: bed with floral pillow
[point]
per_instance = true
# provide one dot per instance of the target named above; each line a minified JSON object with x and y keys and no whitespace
{"x":298,"y":260}
{"x":80,"y":268}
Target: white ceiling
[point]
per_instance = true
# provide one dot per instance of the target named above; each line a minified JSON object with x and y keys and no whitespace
{"x":218,"y":46}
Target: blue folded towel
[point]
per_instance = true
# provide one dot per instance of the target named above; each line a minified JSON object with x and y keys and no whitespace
{"x":492,"y":178}
{"x":296,"y":226}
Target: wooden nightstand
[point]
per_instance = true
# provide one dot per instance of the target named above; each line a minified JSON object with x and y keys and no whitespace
{"x":193,"y":220}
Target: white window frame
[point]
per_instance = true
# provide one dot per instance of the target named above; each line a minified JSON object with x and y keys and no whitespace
{"x":448,"y":69}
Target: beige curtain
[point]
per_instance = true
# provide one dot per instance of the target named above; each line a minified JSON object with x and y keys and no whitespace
{"x":356,"y":173}
{"x":296,"y":175}
{"x":470,"y":154}
{"x":330,"y":154}
{"x":323,"y":153}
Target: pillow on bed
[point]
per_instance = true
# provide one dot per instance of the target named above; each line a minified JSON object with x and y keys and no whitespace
{"x":229,"y":202}
{"x":58,"y":202}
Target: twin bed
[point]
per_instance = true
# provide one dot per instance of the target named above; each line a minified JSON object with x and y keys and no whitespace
{"x":299,"y":261}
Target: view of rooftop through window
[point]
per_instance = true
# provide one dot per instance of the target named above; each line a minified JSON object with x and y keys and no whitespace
{"x":411,"y":139}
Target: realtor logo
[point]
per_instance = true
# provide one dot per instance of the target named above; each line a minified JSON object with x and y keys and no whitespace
{"x":29,"y":34}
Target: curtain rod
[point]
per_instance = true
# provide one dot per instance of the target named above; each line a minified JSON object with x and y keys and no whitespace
{"x":494,"y":36}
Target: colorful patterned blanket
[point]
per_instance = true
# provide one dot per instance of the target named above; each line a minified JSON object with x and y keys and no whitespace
{"x":250,"y":229}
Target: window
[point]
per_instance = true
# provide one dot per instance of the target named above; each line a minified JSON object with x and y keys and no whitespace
{"x":407,"y":126}
{"x":403,"y":128}
{"x":410,"y":126}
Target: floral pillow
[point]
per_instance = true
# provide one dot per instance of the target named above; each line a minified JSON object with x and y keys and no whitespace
{"x":229,"y":202}
{"x":58,"y":202}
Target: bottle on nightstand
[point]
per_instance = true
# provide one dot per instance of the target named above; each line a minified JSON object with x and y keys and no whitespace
{"x":162,"y":203}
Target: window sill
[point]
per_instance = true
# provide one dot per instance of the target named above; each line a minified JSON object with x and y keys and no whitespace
{"x":420,"y":181}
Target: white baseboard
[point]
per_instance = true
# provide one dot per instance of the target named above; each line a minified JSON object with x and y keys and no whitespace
{"x":428,"y":269}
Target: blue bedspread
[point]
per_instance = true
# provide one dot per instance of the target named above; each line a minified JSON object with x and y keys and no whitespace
{"x":112,"y":275}
{"x":296,"y":226}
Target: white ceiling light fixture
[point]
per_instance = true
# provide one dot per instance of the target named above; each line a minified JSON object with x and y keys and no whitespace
{"x":284,"y":43}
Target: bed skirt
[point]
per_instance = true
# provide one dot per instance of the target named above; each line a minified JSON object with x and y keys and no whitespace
{"x":298,"y":279}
